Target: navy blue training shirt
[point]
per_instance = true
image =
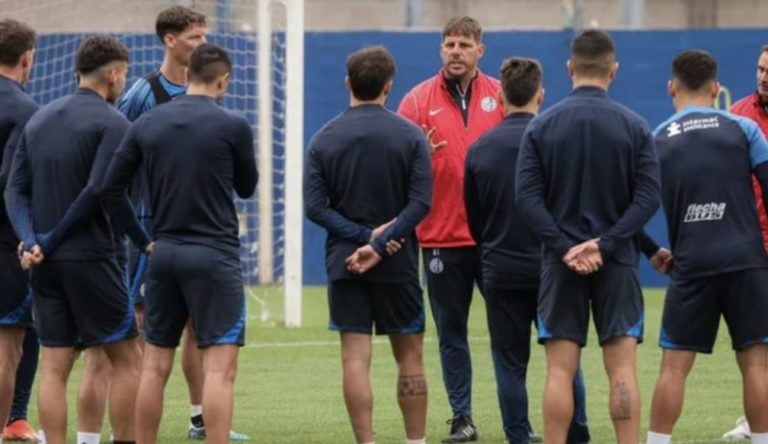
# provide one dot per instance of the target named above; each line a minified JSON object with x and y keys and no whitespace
{"x":510,"y":249}
{"x":588,"y":168}
{"x":53,"y":193}
{"x":363,"y":169}
{"x":195,"y":154}
{"x":137,"y":100}
{"x":15,"y":109}
{"x":707,"y":161}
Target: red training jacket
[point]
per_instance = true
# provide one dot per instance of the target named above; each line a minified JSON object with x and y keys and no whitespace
{"x":430,"y":104}
{"x":750,"y":107}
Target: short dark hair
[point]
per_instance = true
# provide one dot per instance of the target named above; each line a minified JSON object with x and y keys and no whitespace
{"x":16,"y":38}
{"x":368,"y":70}
{"x":520,"y":80}
{"x":176,"y":20}
{"x":463,"y":26}
{"x":764,"y":49}
{"x":207,"y":63}
{"x":694,"y":69}
{"x":98,"y":51}
{"x":593,"y":53}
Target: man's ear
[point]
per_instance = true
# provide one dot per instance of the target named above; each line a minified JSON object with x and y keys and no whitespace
{"x":223,"y":82}
{"x":169,"y":40}
{"x":614,"y":70}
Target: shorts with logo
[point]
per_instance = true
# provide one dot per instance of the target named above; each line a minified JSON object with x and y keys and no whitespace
{"x":81,"y":304}
{"x":197,"y":282}
{"x":613,"y":294}
{"x":356,"y":306}
{"x":692,"y":310}
{"x":15,"y":297}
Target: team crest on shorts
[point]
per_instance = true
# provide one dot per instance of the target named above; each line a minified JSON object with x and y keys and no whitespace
{"x":436,"y":265}
{"x":488,"y":104}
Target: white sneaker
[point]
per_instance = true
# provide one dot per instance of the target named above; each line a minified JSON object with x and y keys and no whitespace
{"x":741,"y":431}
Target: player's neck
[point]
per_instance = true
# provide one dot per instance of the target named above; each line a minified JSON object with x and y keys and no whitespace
{"x":683,"y":101}
{"x":172,"y":71}
{"x":12,"y":72}
{"x":598,"y":82}
{"x":531,"y":108}
{"x":196,"y":89}
{"x":95,"y":86}
{"x":353,"y":102}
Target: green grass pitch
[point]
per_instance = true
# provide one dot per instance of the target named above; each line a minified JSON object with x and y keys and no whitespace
{"x":289,"y":384}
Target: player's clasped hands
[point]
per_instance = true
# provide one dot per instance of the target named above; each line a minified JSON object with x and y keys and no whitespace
{"x":584,"y":258}
{"x":365,"y":257}
{"x":362,"y":260}
{"x":32,"y":258}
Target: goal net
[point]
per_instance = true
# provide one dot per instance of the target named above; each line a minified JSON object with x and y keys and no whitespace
{"x":265,"y":40}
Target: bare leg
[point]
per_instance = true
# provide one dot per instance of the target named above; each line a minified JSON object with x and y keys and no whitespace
{"x":192,"y":365}
{"x":11,"y":342}
{"x":125,"y":358}
{"x":753,"y":362}
{"x":619,"y":357}
{"x":93,"y":391}
{"x":156,"y":367}
{"x":562,"y":363}
{"x":219,"y":368}
{"x":56,"y":365}
{"x":668,"y":396}
{"x":356,"y":364}
{"x":411,"y":383}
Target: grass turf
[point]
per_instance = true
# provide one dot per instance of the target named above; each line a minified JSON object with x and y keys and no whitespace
{"x":289,"y":383}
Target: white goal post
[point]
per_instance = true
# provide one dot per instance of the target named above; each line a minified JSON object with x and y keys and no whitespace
{"x":294,"y":154}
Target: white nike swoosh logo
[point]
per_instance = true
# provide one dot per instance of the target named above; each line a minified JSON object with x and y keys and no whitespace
{"x":434,"y":112}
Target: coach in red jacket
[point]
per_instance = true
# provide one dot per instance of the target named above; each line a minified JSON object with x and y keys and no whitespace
{"x":454,"y":108}
{"x":755,"y":106}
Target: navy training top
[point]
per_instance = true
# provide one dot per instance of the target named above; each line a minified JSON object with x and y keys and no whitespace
{"x":364,"y":168}
{"x":588,"y":168}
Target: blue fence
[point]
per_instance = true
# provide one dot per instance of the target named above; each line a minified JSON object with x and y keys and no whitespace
{"x":645,"y":58}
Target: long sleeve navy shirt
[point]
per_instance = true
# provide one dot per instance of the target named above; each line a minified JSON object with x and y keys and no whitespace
{"x":588,"y":168}
{"x":53,"y":193}
{"x":708,"y":158}
{"x":137,"y":100}
{"x":196,"y":155}
{"x":510,"y":249}
{"x":15,"y":109}
{"x":364,"y":168}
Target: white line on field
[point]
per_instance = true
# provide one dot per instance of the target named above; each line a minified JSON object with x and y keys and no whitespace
{"x":702,"y":441}
{"x":376,"y":341}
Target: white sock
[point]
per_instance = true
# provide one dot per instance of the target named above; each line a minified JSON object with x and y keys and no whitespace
{"x":658,"y":438}
{"x":88,"y":438}
{"x":416,"y":441}
{"x":41,"y":436}
{"x":367,"y":442}
{"x":759,"y":438}
{"x":197,"y":409}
